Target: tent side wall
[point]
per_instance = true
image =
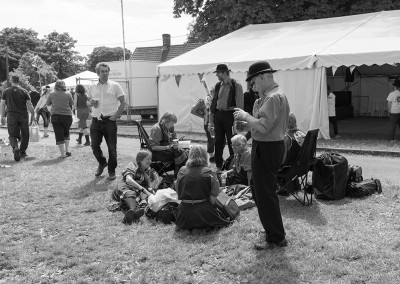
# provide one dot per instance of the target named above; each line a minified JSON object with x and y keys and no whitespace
{"x":305,"y":90}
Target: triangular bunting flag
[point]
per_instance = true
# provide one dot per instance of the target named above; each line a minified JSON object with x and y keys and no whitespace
{"x":178,"y":79}
{"x":352,"y":67}
{"x":200,"y":76}
{"x":334,"y":68}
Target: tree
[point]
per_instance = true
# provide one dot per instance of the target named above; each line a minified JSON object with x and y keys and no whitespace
{"x":40,"y":69}
{"x":106,"y":54}
{"x":215,"y":18}
{"x":16,"y":41}
{"x":23,"y":81}
{"x":58,"y":52}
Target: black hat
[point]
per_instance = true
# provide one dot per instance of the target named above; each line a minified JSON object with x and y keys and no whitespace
{"x":258,"y":68}
{"x":396,"y":83}
{"x":222,"y":68}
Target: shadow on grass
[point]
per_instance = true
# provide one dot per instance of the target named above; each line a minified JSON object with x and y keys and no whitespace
{"x":196,"y":236}
{"x":49,"y":162}
{"x":100,"y":184}
{"x":292,"y":209}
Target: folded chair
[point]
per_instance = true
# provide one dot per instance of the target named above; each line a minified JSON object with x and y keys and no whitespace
{"x":162,"y":168}
{"x":295,"y":175}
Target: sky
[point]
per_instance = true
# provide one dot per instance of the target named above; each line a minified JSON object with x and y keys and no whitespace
{"x":96,"y":23}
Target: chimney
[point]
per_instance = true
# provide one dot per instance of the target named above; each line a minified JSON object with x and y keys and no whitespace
{"x":166,"y":38}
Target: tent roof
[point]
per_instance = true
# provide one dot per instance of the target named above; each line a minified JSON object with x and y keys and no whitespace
{"x":351,"y":40}
{"x":85,"y":76}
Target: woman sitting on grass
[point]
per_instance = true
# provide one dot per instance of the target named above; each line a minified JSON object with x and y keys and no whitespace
{"x":239,"y":170}
{"x":197,"y":187}
{"x":138,"y":182}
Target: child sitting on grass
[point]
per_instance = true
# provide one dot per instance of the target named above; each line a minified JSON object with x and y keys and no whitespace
{"x":138,"y":182}
{"x":239,"y":170}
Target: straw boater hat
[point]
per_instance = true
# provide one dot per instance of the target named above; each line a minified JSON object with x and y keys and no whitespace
{"x":258,"y":68}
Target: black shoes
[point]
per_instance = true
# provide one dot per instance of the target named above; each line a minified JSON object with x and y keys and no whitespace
{"x":271,"y":245}
{"x":87,"y":143}
{"x":68,"y":154}
{"x":132,"y":215}
{"x":22,"y":155}
{"x":111,"y":176}
{"x":17,"y":155}
{"x":100,"y":169}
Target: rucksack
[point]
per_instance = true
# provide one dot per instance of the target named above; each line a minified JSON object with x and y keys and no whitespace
{"x":355,"y":174}
{"x":166,"y":214}
{"x":363,"y":188}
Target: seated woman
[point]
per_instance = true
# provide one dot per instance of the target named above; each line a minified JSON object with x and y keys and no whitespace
{"x":293,"y":140}
{"x":197,"y":187}
{"x":161,"y":136}
{"x":239,"y":170}
{"x":138,"y":182}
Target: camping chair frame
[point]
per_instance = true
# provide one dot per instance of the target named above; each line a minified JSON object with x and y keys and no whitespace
{"x":162,"y":168}
{"x":297,"y":173}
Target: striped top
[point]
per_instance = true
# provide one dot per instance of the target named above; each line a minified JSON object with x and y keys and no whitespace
{"x":61,"y":103}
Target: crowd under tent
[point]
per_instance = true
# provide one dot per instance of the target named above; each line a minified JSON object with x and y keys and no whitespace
{"x":307,"y":54}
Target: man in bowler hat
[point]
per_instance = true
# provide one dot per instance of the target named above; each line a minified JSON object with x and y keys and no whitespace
{"x":227,"y":94}
{"x":268,"y":125}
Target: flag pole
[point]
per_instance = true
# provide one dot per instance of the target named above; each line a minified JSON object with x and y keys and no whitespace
{"x":126,"y":77}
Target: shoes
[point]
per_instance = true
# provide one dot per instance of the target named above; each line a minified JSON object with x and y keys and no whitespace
{"x":45,"y":135}
{"x":100,"y":169}
{"x":79,"y":141}
{"x":87,"y":143}
{"x":133,"y":215}
{"x":22,"y":155}
{"x":212,"y":160}
{"x":271,"y":245}
{"x":17,"y":156}
{"x":111,"y":176}
{"x":68,"y":154}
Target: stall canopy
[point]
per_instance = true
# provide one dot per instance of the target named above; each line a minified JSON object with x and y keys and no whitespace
{"x":84,"y":78}
{"x":301,"y":51}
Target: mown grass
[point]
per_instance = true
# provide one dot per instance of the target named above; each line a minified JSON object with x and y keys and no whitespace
{"x":55,"y":228}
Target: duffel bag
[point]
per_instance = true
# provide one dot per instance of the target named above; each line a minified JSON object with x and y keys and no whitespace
{"x":330,"y":176}
{"x":363,"y":188}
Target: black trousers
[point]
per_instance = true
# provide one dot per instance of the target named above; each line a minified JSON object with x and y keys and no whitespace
{"x":223,"y":122}
{"x":266,"y":158}
{"x":333,"y":120}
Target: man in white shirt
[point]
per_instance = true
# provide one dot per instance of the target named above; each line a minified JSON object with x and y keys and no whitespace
{"x":332,"y":111}
{"x":393,"y":100}
{"x":108,"y":101}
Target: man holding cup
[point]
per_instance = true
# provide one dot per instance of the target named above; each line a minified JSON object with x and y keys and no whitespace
{"x":268,"y":126}
{"x":108,"y":101}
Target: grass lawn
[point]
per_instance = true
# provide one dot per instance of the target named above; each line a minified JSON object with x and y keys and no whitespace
{"x":55,"y":228}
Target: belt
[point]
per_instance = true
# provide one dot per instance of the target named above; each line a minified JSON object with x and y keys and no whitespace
{"x":102,"y":117}
{"x":194,"y":201}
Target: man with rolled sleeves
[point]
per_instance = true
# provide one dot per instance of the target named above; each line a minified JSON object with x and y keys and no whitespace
{"x":227,"y":94}
{"x":268,"y":126}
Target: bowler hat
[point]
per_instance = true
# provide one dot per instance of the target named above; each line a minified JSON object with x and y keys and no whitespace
{"x":222,"y":68}
{"x":258,"y":68}
{"x":396,"y":83}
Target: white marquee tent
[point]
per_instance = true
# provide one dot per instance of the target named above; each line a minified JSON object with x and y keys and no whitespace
{"x":301,"y":51}
{"x":84,"y":78}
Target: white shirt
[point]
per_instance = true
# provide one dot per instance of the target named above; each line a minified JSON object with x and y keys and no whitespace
{"x":331,"y":105}
{"x":107,"y":94}
{"x":394,"y":97}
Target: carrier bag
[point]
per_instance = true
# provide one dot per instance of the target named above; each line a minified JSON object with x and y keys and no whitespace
{"x":363,"y":188}
{"x":199,"y":109}
{"x":227,"y":206}
{"x":34,"y":135}
{"x":355,"y":174}
{"x":330,"y":176}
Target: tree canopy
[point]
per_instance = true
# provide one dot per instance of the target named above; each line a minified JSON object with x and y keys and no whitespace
{"x":106,"y":54}
{"x":215,"y":18}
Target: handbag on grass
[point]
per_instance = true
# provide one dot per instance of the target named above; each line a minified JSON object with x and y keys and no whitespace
{"x":199,"y":109}
{"x":227,"y":205}
{"x":34,"y":132}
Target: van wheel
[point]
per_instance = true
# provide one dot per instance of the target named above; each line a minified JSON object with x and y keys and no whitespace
{"x":145,"y":116}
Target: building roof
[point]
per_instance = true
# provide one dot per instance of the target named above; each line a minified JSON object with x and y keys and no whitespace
{"x":154,"y":53}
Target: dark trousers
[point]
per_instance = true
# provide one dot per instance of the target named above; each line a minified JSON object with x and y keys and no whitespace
{"x":266,"y":158}
{"x":108,"y":129}
{"x":210,"y":140}
{"x":46,"y":117}
{"x":394,"y":121}
{"x":223,"y":122}
{"x":18,"y":126}
{"x":61,"y":126}
{"x":333,"y":120}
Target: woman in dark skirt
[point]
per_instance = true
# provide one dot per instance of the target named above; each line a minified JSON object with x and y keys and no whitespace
{"x":82,"y":112}
{"x":197,"y":187}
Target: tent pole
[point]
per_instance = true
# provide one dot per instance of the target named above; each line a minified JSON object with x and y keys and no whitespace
{"x":126,"y":77}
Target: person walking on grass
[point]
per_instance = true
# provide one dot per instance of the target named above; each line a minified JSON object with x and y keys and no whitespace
{"x":61,"y":116}
{"x":42,"y":110}
{"x":108,"y":101}
{"x":18,"y":103}
{"x":82,"y":112}
{"x":393,"y":101}
{"x":268,"y":124}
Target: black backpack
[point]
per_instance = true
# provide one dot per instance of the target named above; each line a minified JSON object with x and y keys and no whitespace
{"x":166,"y":214}
{"x":363,"y":188}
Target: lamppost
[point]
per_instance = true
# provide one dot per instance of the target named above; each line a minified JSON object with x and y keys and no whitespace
{"x":126,"y":77}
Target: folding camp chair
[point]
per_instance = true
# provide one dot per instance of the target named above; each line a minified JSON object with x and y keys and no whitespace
{"x":296,"y":174}
{"x":162,"y":168}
